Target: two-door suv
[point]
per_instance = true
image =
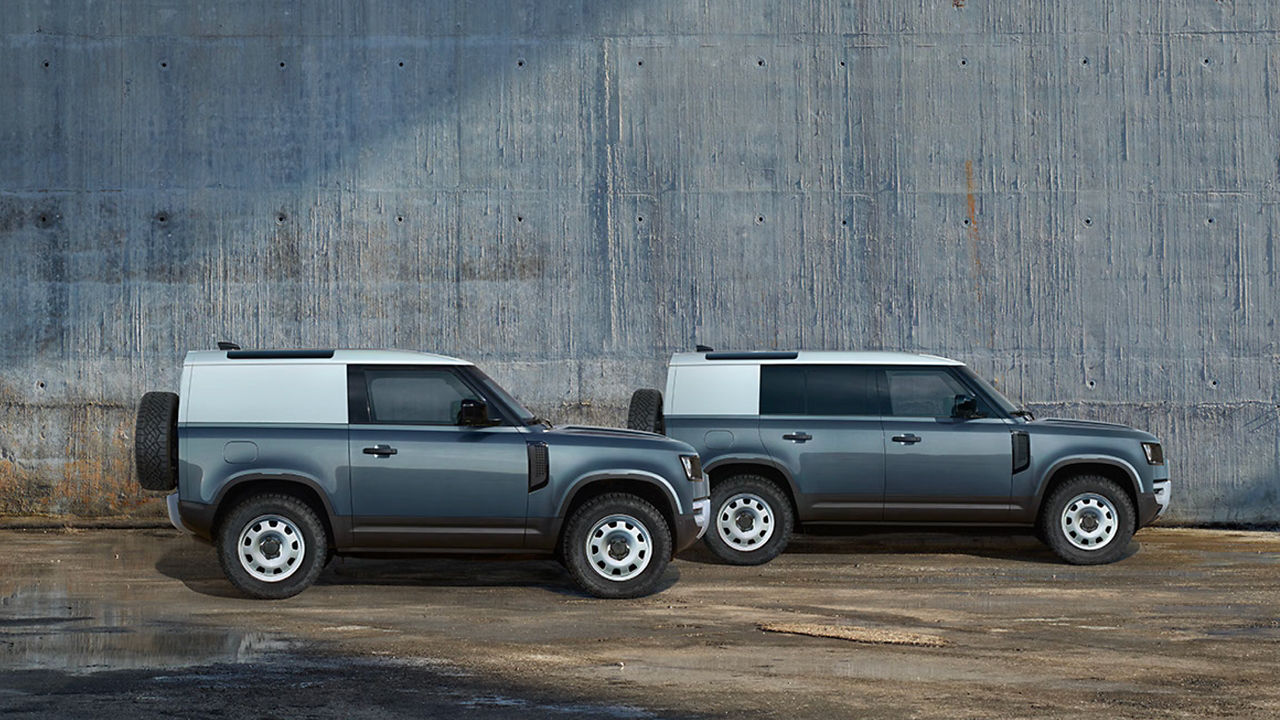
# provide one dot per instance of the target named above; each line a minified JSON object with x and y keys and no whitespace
{"x":837,"y":438}
{"x":285,"y":457}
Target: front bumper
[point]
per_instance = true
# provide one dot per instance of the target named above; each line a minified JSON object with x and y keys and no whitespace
{"x":1162,"y":490}
{"x":690,"y":528}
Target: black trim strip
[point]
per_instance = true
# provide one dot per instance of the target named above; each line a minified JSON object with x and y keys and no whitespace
{"x":754,"y":355}
{"x":279,"y":354}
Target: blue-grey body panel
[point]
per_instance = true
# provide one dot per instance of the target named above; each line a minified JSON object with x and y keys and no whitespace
{"x":839,"y":468}
{"x":466,"y":487}
{"x":579,"y":456}
{"x":957,"y":470}
{"x":960,"y":473}
{"x":214,"y":459}
{"x":445,"y":488}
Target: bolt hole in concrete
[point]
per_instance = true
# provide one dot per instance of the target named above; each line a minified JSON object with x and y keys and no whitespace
{"x":759,"y":63}
{"x":280,"y":218}
{"x":1084,"y":61}
{"x":841,"y":63}
{"x":1205,"y":61}
{"x":1091,"y":384}
{"x":40,"y":384}
{"x":1088,"y":222}
{"x":520,"y":63}
{"x":162,"y":217}
{"x":844,"y":223}
{"x":45,"y":63}
{"x":967,"y":222}
{"x":281,"y":64}
{"x":759,"y":219}
{"x":401,"y":63}
{"x":519,"y":218}
{"x":1213,"y":383}
{"x":399,"y":218}
{"x":44,"y":219}
{"x":164,"y":65}
{"x":639,"y":63}
{"x":639,"y":219}
{"x":1208,"y":221}
{"x":963,"y":62}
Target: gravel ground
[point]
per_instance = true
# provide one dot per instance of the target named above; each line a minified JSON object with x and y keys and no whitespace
{"x":871,"y":625}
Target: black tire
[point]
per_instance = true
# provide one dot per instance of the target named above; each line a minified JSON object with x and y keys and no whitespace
{"x":155,"y":441}
{"x":292,"y":517}
{"x":743,"y":509}
{"x":589,"y":574}
{"x":1088,"y":520}
{"x":645,"y":412}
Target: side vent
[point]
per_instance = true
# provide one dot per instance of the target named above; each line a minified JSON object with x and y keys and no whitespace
{"x":1021,"y":450}
{"x":539,"y":469}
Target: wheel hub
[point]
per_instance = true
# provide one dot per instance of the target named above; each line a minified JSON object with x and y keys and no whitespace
{"x":271,"y":548}
{"x":618,"y":547}
{"x":745,"y":521}
{"x":1089,"y":521}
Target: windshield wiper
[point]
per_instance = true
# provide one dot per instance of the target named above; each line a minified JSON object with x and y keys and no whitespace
{"x":535,"y":420}
{"x":1023,"y":412}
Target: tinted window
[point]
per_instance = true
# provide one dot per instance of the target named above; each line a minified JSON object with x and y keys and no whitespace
{"x":923,"y":392}
{"x":817,"y":390}
{"x":419,"y":397}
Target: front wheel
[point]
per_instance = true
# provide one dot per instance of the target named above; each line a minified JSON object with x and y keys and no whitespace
{"x":1088,"y":520}
{"x":272,"y":546}
{"x":751,"y":521}
{"x":616,"y":546}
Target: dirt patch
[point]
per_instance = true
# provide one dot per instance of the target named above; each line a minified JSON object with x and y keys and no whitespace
{"x":854,"y":633}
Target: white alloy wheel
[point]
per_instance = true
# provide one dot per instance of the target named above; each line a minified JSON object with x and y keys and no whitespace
{"x":745,"y":521}
{"x":618,"y":547}
{"x":271,"y":548}
{"x":1089,"y":521}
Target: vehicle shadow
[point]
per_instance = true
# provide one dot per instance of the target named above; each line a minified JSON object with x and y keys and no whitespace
{"x":998,"y":544}
{"x":201,"y":573}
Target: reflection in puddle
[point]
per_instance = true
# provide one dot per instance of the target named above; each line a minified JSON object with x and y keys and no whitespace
{"x":48,"y":628}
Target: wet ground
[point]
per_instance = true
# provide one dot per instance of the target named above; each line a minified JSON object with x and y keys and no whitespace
{"x":142,"y":622}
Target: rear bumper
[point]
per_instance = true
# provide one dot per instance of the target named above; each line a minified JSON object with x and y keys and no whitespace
{"x":690,"y":528}
{"x":195,"y":518}
{"x":175,"y":518}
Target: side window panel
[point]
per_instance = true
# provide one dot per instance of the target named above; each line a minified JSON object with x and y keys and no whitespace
{"x":429,"y":396}
{"x":781,"y":390}
{"x":817,"y":390}
{"x":923,"y":392}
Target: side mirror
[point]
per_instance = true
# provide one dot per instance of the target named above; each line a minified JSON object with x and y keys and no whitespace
{"x":965,"y":408}
{"x":473,"y":413}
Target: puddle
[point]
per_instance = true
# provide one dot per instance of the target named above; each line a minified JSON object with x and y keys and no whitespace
{"x":48,"y":628}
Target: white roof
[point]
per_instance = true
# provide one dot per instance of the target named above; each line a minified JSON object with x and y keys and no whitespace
{"x":342,"y":357}
{"x":816,"y":357}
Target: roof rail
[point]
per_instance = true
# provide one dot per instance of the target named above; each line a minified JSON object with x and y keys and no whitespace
{"x":755,"y":355}
{"x":224,"y":345}
{"x":279,"y":354}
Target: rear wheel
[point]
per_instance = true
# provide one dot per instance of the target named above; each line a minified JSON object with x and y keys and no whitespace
{"x":1088,"y":520}
{"x":616,"y":546}
{"x":645,"y":411}
{"x":272,"y":546}
{"x":751,"y":520}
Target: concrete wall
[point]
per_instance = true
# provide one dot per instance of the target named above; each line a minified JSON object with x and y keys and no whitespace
{"x":1078,"y":197}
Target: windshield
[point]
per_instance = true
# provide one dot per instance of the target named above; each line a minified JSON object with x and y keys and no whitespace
{"x":1001,"y":401}
{"x":523,"y":415}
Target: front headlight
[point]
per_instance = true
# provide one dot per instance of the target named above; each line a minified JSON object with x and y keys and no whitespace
{"x":1154,"y":453}
{"x":692,"y":467}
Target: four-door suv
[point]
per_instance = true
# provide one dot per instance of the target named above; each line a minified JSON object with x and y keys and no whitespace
{"x":284,"y":457}
{"x":816,"y":438}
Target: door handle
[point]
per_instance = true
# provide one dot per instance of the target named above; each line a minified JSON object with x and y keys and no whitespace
{"x":908,"y":439}
{"x":382,"y":450}
{"x":798,"y":436}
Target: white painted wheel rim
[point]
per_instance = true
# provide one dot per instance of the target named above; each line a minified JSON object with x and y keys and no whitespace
{"x":619,"y":547}
{"x":1089,"y":521}
{"x":271,"y":548}
{"x":745,"y":522}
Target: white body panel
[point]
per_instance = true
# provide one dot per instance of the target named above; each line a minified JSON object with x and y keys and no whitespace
{"x":249,"y":391}
{"x":729,"y":388}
